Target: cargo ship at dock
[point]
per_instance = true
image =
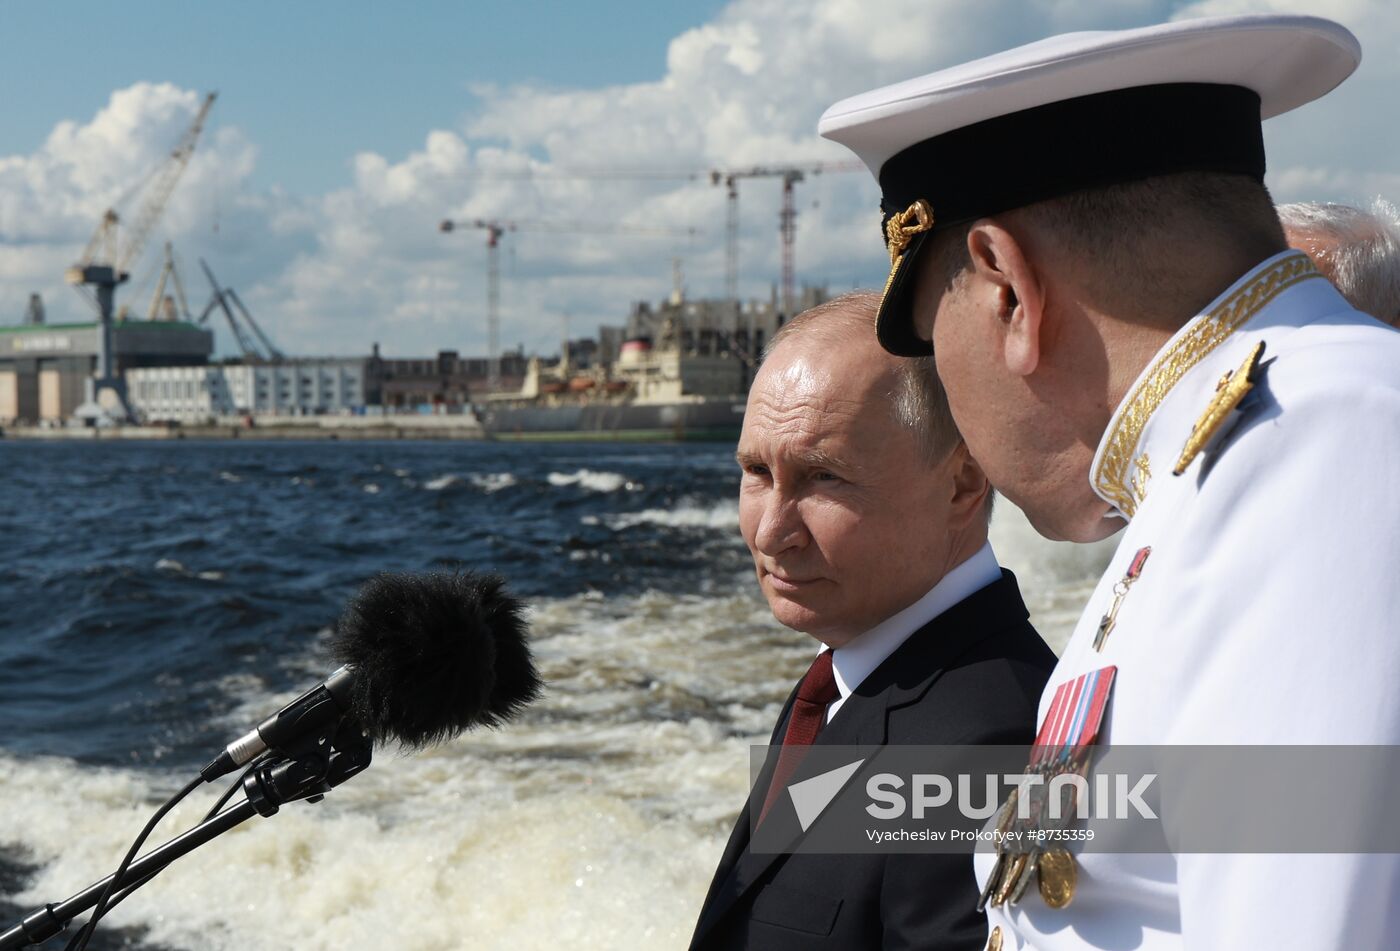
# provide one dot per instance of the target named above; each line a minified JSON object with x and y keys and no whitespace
{"x":679,"y":371}
{"x":647,"y":394}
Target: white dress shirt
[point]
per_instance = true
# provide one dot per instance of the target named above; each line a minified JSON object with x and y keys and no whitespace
{"x":857,"y":659}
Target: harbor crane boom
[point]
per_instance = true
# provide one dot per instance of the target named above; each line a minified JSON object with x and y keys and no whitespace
{"x":221,"y":299}
{"x":495,"y":229}
{"x":106,"y":261}
{"x":173,"y":306}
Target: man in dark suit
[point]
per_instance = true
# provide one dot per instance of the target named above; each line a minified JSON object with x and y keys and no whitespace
{"x":867,"y":520}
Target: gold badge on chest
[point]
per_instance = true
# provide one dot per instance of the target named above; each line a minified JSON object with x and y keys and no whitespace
{"x":1232,"y":388}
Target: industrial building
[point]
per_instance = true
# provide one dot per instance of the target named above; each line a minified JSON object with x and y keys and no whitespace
{"x":678,"y":350}
{"x":706,"y":327}
{"x":196,"y":394}
{"x":45,"y":368}
{"x":445,"y":383}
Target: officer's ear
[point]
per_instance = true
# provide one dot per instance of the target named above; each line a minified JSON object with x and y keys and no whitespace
{"x":1016,"y":291}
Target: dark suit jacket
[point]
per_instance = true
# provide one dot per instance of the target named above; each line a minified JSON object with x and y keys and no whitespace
{"x":973,"y":675}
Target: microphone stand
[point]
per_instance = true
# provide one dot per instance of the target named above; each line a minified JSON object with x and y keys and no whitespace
{"x":52,"y":919}
{"x":308,"y":773}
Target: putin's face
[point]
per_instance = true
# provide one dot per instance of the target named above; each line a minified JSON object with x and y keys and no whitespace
{"x":847,"y":522}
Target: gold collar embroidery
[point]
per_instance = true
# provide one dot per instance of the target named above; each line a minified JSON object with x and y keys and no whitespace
{"x":1207,"y":332}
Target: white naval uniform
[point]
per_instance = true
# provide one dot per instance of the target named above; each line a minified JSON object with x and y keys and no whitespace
{"x":1268,"y":612}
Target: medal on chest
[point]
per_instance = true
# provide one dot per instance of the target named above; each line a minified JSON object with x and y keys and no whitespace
{"x":1120,"y":591}
{"x":1026,"y":840}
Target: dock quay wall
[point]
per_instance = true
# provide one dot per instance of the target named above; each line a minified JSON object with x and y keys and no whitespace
{"x":323,"y":427}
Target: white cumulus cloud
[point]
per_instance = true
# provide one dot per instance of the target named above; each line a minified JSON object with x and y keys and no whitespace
{"x":336,"y":271}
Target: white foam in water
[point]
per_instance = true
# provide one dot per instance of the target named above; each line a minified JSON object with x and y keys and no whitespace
{"x":723,"y":515}
{"x":371,"y":488}
{"x":489,"y":482}
{"x":596,"y":821}
{"x":596,"y":481}
{"x":469,"y":869}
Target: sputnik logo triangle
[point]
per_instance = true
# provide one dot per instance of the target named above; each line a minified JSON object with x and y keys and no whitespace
{"x":811,"y":796}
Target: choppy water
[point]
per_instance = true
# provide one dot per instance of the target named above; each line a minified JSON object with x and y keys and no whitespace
{"x":156,"y":599}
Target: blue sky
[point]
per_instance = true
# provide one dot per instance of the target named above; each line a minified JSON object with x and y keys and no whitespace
{"x":315,"y":82}
{"x":344,"y":132}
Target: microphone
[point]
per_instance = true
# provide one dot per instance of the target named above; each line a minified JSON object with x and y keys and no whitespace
{"x":424,"y":658}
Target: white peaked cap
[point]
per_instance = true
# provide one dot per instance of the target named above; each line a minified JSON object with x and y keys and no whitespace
{"x":1072,"y":112}
{"x":1287,"y":60}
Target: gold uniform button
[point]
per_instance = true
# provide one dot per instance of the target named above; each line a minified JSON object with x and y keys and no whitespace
{"x":994,"y":942}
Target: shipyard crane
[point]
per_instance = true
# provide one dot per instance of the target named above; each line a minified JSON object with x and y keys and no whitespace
{"x":106,"y":259}
{"x":222,"y":298}
{"x":787,"y":218}
{"x":167,"y":306}
{"x":495,"y":229}
{"x":164,"y":306}
{"x":790,"y":173}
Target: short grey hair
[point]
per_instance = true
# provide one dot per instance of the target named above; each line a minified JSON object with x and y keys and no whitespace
{"x":1365,"y":263}
{"x":919,"y":402}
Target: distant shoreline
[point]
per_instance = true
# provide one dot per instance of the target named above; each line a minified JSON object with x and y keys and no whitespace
{"x":376,"y":430}
{"x":327,"y":429}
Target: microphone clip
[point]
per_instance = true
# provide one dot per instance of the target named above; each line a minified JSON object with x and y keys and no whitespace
{"x":309,"y":767}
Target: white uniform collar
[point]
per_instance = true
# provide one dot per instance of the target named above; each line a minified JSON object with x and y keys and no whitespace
{"x":1151,"y":425}
{"x":856,"y":660}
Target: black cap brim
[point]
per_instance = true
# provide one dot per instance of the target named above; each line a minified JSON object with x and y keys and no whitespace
{"x":894,"y":324}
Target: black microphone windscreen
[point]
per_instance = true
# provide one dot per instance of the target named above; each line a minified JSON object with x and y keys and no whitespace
{"x":434,"y":655}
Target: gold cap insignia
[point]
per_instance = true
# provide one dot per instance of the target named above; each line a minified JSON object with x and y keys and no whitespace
{"x":1231,"y":389}
{"x":903,"y":225}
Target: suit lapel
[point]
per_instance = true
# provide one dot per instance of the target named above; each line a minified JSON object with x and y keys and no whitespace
{"x":859,"y":722}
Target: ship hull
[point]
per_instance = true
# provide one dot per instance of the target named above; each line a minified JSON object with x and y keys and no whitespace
{"x":710,"y":421}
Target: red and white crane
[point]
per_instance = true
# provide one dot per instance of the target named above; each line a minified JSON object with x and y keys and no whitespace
{"x":495,"y":229}
{"x":787,"y":218}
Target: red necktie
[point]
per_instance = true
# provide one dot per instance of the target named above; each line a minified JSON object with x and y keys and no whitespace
{"x":817,"y":690}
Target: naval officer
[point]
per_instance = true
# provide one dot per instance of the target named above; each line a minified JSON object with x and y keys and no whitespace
{"x":1080,"y":235}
